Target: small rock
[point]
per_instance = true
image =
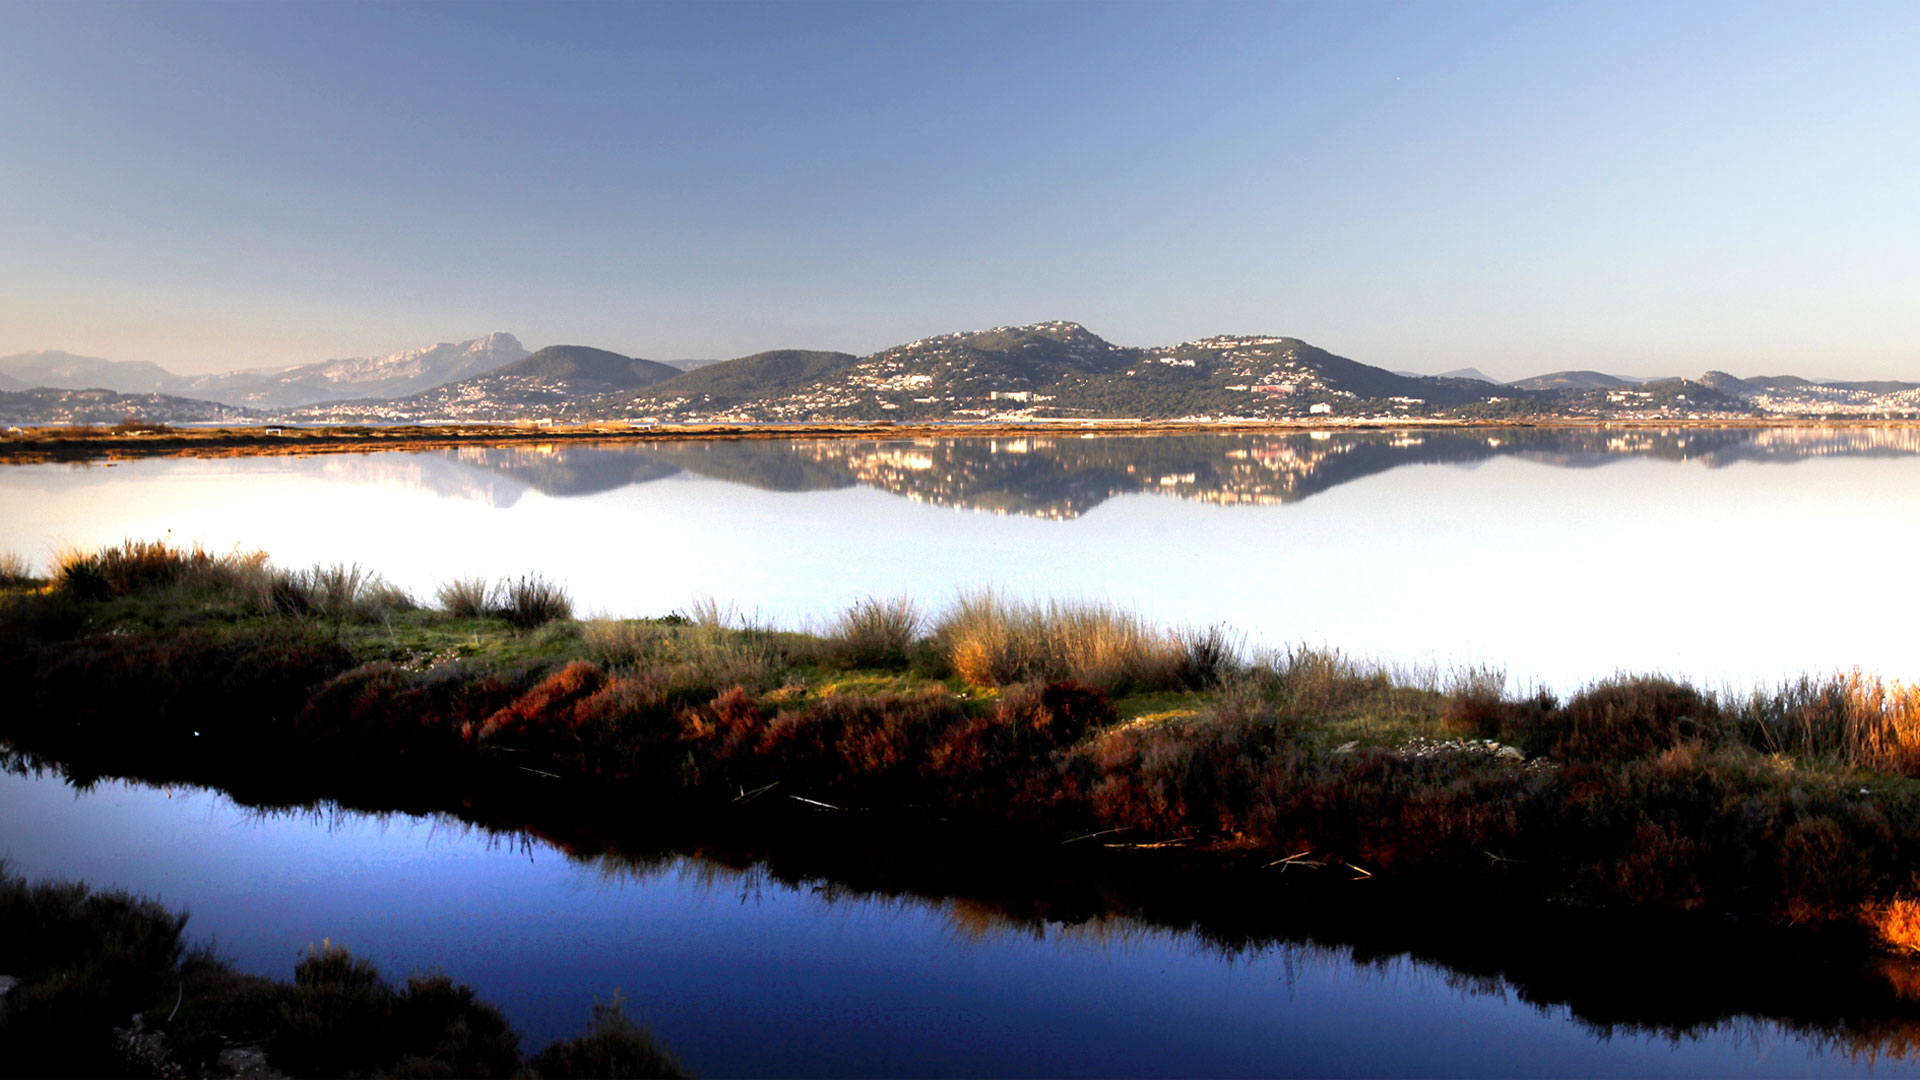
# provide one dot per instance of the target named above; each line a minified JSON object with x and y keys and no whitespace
{"x":1509,"y":753}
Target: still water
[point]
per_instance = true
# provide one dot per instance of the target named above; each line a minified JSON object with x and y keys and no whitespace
{"x":1734,"y":558}
{"x":745,"y":974}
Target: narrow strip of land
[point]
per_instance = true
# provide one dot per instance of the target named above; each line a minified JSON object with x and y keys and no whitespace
{"x":42,"y":444}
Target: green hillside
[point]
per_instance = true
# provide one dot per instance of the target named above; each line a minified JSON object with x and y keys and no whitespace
{"x":582,"y":363}
{"x":748,"y":378}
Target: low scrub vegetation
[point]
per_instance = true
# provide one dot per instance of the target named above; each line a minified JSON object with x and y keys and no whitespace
{"x":108,"y":987}
{"x":1058,"y":721}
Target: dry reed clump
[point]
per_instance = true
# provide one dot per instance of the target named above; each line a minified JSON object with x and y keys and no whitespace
{"x":531,"y":600}
{"x":527,"y":601}
{"x":136,"y":565}
{"x":1854,"y":719}
{"x":340,"y":591}
{"x":14,"y":568}
{"x":468,"y":598}
{"x":1205,"y":657}
{"x":875,"y":633}
{"x":991,"y":640}
{"x":1318,"y":681}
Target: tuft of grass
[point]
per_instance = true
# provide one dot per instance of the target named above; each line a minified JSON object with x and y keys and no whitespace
{"x":709,"y":613}
{"x":531,"y":600}
{"x":468,"y":598}
{"x":340,"y":592}
{"x":1204,"y":658}
{"x":875,"y":633}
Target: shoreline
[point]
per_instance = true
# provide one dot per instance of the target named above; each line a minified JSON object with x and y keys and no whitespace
{"x":37,"y":445}
{"x":1035,"y":727}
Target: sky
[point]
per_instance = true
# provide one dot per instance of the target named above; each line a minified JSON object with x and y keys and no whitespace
{"x":1644,"y":189}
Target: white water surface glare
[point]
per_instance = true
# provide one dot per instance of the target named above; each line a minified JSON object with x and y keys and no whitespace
{"x":1734,"y":559}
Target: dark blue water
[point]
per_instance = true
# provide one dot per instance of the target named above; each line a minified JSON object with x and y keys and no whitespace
{"x":743,"y":975}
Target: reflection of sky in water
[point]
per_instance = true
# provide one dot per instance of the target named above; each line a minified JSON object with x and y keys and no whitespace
{"x":746,"y":979}
{"x":1742,"y":573}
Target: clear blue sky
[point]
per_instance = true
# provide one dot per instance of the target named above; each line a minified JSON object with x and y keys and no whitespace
{"x":1643,"y":188}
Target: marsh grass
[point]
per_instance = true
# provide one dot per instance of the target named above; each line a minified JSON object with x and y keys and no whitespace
{"x":874,"y":632}
{"x":686,"y":656}
{"x":531,"y":600}
{"x":992,"y":640}
{"x":340,"y":592}
{"x":468,"y":598}
{"x":143,"y":565}
{"x":1852,"y":719}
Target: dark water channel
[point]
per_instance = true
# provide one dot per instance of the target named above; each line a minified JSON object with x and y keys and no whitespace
{"x":750,"y":968}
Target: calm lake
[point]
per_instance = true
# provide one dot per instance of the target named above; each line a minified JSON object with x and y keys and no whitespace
{"x":1734,"y":558}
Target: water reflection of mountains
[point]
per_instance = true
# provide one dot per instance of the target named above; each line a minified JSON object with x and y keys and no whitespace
{"x":1059,"y":475}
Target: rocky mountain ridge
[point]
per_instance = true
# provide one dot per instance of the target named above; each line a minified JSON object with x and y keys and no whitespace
{"x":1049,"y":370}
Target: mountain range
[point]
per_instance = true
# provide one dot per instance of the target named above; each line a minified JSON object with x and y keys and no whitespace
{"x":1052,"y":370}
{"x":328,"y":380}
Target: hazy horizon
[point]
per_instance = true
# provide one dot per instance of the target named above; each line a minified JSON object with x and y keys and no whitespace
{"x":1632,"y":188}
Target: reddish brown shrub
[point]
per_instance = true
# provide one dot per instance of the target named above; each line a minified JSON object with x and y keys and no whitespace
{"x":1634,"y":718}
{"x":533,"y":719}
{"x":854,"y":747}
